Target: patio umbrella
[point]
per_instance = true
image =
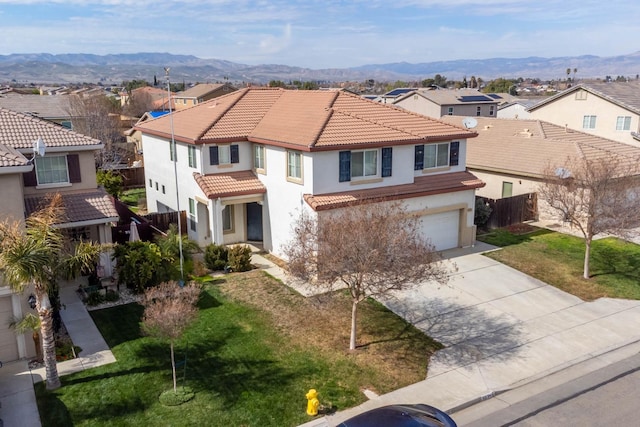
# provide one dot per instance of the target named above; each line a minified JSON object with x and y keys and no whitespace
{"x":133,"y":232}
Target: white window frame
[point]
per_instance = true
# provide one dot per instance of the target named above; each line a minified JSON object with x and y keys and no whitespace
{"x":623,"y":123}
{"x":370,"y":167}
{"x":435,"y":151}
{"x":192,"y":214}
{"x":192,"y":156}
{"x":224,"y":154}
{"x":589,"y":122}
{"x":259,"y":158}
{"x":227,"y":219}
{"x":294,"y":165}
{"x":450,"y":111}
{"x":492,"y":109}
{"x":52,"y":170}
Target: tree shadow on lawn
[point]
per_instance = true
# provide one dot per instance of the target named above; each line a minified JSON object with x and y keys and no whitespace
{"x":468,"y":333}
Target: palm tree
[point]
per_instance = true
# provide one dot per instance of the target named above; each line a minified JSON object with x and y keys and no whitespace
{"x":29,"y":323}
{"x":37,"y":253}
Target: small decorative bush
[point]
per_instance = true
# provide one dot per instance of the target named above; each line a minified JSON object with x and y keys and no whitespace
{"x":111,"y":296}
{"x":216,"y":257}
{"x":178,"y":397}
{"x":95,"y":298}
{"x":240,"y":258}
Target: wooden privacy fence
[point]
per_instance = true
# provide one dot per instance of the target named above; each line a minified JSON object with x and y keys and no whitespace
{"x":132,"y":177}
{"x":512,"y":210}
{"x":162,"y":220}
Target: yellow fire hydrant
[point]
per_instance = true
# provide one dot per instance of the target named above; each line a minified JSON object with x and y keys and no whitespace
{"x":312,"y":402}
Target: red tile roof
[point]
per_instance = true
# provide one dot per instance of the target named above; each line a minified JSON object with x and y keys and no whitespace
{"x":230,"y":184}
{"x":307,"y":120}
{"x":20,"y":131}
{"x":93,"y":206}
{"x":422,"y":186}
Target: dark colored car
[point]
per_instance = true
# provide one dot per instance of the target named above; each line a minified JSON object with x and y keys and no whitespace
{"x":418,"y":415}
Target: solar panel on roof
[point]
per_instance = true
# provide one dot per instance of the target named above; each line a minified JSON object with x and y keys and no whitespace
{"x":474,"y":98}
{"x":495,"y":96}
{"x":397,"y":92}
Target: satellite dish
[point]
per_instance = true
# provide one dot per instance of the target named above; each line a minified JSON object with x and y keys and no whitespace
{"x":469,"y":122}
{"x":39,"y":147}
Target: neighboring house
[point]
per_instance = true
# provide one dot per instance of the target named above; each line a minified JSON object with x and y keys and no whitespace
{"x":200,"y":93}
{"x":393,"y":95}
{"x":54,"y":108}
{"x":516,"y":109}
{"x":157,"y":97}
{"x":26,"y":180}
{"x":511,"y":156}
{"x":134,"y":136}
{"x":610,"y":110}
{"x":248,"y":163}
{"x":450,"y":102}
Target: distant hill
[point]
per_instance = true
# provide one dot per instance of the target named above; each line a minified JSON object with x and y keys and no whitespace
{"x":113,"y":69}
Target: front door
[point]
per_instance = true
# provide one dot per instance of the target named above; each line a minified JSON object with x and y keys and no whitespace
{"x":254,"y":222}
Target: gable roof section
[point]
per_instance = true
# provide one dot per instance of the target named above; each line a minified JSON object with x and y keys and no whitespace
{"x":11,"y":157}
{"x":240,"y":183}
{"x":422,"y":186}
{"x":528,"y":147}
{"x":623,"y":94}
{"x":43,"y":106}
{"x":307,"y":120}
{"x":453,"y":96}
{"x":20,"y":131}
{"x":202,"y":89}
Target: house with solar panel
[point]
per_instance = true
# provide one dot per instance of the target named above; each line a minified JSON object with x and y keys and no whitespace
{"x":38,"y":158}
{"x":246,"y":164}
{"x":450,"y":102}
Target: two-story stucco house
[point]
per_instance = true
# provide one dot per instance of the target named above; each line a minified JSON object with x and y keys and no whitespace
{"x":246,"y":164}
{"x":450,"y":102}
{"x":609,"y":110}
{"x":65,"y":165}
{"x":200,"y":93}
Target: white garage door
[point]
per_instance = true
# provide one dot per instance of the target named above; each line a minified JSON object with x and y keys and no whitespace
{"x":8,"y":343}
{"x":442,"y":229}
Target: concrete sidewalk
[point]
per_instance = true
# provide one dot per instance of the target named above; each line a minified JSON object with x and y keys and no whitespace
{"x":17,"y":396}
{"x":501,"y":329}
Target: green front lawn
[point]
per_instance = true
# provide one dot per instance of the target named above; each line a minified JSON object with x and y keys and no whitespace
{"x":557,"y":259}
{"x":255,"y":350}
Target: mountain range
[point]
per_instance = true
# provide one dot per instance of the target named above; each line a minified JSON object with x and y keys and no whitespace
{"x":113,"y":69}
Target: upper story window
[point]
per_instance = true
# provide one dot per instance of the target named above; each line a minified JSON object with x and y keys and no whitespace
{"x":623,"y":123}
{"x":491,"y":110}
{"x":589,"y":122}
{"x":192,"y":156}
{"x":450,"y":111}
{"x":259,"y":158}
{"x":365,"y":164}
{"x":172,"y":152}
{"x":52,"y":170}
{"x":224,"y":154}
{"x":294,"y":165}
{"x":581,"y":95}
{"x":478,"y":110}
{"x":431,"y":156}
{"x":192,"y":215}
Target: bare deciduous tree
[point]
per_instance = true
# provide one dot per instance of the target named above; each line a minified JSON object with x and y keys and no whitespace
{"x":597,"y":196}
{"x":371,"y":249}
{"x":139,"y":103}
{"x":168,"y":310}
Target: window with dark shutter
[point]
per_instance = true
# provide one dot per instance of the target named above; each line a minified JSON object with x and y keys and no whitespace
{"x":386,"y":161}
{"x":419,"y":158}
{"x":73,"y":163}
{"x":345,"y":166}
{"x":454,"y":153}
{"x":235,"y":154}
{"x":213,"y":155}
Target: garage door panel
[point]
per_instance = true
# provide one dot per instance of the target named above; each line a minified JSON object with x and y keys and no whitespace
{"x":8,"y":342}
{"x":443,"y":229}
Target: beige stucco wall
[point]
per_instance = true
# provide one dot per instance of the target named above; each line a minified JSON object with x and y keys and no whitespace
{"x":12,"y":207}
{"x":570,"y":110}
{"x":493,"y":181}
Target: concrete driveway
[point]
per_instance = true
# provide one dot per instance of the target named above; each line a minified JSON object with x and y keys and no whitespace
{"x":501,"y":329}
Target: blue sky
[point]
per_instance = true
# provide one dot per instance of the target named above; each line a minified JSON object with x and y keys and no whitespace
{"x":323,"y":33}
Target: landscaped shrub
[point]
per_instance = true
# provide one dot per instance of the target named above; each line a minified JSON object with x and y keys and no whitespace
{"x":482,"y":212}
{"x":239,"y":258}
{"x":95,"y":298}
{"x":140,"y":265}
{"x":111,"y":296}
{"x":216,"y":257}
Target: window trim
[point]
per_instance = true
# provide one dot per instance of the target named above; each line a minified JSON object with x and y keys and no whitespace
{"x":191,"y":152}
{"x":292,"y":178}
{"x":192,"y":215}
{"x":449,"y":111}
{"x":420,"y":156}
{"x":230,"y":210}
{"x":39,"y":165}
{"x":364,"y":175}
{"x":589,"y":121}
{"x":623,"y":123}
{"x":260,"y":162}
